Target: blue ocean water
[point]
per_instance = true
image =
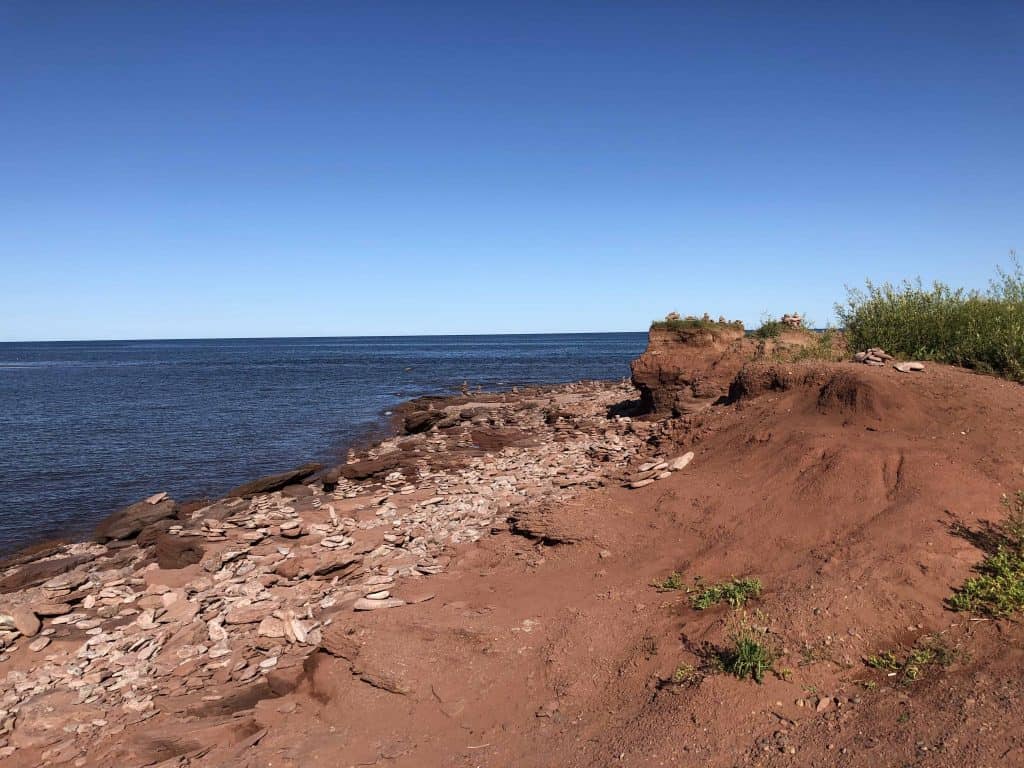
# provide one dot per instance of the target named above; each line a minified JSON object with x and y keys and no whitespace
{"x":88,"y":427}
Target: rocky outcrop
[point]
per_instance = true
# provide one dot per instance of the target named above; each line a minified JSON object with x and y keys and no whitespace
{"x":684,"y":370}
{"x":272,"y":483}
{"x":131,"y":520}
{"x":421,"y":421}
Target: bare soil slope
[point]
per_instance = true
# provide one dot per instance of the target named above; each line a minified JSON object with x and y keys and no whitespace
{"x":841,"y":487}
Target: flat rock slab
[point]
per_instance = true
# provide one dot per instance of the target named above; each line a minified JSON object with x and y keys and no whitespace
{"x":364,"y":604}
{"x":131,"y":520}
{"x":908,"y":367}
{"x":272,"y":483}
{"x":680,"y":462}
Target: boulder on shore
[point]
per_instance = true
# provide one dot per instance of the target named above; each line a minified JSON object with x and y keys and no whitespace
{"x":272,"y":483}
{"x":421,"y":421}
{"x":131,"y":520}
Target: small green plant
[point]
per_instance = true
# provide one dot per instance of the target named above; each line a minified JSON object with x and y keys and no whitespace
{"x":671,"y":583}
{"x":753,"y":652}
{"x":885,"y":661}
{"x":735,"y":592}
{"x":686,"y":674}
{"x":1013,"y":521}
{"x":998,"y":589}
{"x":930,"y":651}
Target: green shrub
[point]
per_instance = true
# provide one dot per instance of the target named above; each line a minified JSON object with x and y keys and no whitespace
{"x":683,"y":324}
{"x":770,"y":329}
{"x":983,"y":330}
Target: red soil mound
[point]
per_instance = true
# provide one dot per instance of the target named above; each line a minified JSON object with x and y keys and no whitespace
{"x":838,"y":486}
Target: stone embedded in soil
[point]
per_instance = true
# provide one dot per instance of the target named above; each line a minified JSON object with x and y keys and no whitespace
{"x":680,"y":462}
{"x":641,"y":483}
{"x":908,"y":367}
{"x":364,"y":604}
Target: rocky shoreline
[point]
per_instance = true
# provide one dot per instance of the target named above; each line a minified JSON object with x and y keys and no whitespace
{"x":172,"y":604}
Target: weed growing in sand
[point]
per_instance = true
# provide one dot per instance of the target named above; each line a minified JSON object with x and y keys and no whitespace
{"x":671,"y":583}
{"x":753,"y":651}
{"x":983,"y":330}
{"x":686,"y":674}
{"x":1013,"y":521}
{"x":735,"y":592}
{"x":998,"y":589}
{"x":824,"y":348}
{"x":929,"y":652}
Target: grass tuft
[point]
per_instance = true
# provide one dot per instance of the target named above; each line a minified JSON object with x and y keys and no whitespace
{"x":735,"y":592}
{"x":752,"y":653}
{"x":982,"y":330}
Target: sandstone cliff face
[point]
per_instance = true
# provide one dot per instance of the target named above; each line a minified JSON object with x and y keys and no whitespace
{"x":685,"y":370}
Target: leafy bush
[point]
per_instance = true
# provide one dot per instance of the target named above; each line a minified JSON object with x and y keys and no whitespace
{"x":982,"y":330}
{"x":770,"y":329}
{"x":694,"y":324}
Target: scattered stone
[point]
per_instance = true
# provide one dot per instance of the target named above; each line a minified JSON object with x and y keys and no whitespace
{"x":25,"y":621}
{"x":271,"y":627}
{"x":249,"y":614}
{"x":641,"y":483}
{"x":908,"y":367}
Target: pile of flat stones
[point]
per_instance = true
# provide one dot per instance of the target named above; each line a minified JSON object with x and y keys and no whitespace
{"x":276,"y":570}
{"x":658,"y":469}
{"x":877,"y":356}
{"x":874,"y":356}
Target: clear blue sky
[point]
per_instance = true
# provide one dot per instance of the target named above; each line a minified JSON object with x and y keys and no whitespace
{"x":198,"y":169}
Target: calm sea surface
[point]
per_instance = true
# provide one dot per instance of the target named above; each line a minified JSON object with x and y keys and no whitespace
{"x":87,"y":427}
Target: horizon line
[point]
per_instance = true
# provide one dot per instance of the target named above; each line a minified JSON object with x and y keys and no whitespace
{"x":281,"y":338}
